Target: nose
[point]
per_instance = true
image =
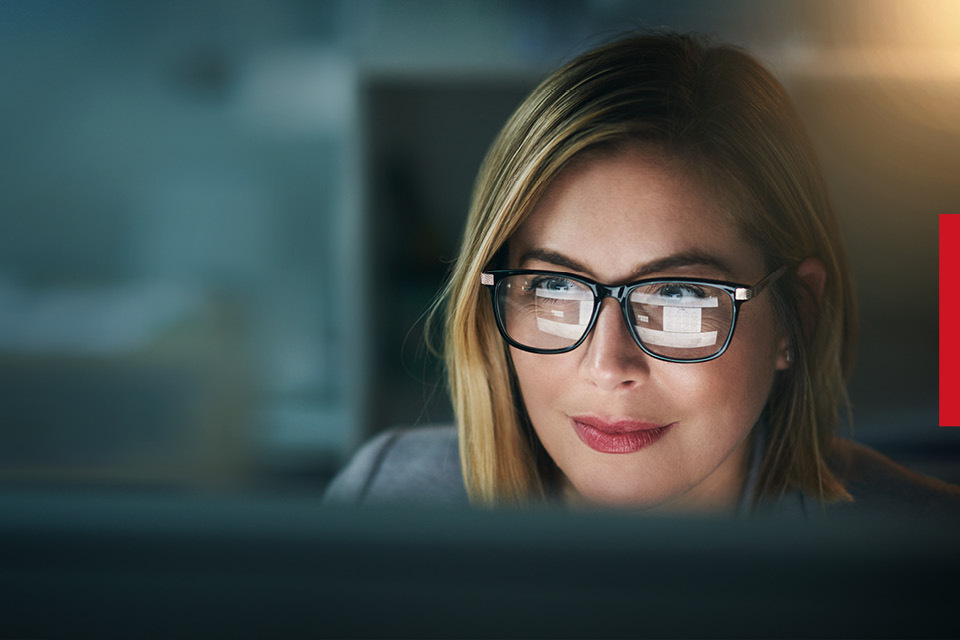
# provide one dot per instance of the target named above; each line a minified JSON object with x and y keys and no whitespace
{"x":611,"y":359}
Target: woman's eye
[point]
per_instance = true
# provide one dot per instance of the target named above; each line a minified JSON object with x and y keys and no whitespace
{"x":552,"y":284}
{"x":680,"y":290}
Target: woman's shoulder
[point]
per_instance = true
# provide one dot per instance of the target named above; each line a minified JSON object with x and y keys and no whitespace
{"x":878,"y":484}
{"x":407,"y":464}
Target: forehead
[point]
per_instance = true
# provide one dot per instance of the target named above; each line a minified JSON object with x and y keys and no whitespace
{"x":614,"y":213}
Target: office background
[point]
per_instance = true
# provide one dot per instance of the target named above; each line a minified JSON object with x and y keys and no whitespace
{"x":221,"y":222}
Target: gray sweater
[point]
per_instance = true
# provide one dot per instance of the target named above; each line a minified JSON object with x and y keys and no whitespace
{"x":420,"y":464}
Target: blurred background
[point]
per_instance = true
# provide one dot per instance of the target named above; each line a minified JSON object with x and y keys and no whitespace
{"x":221,"y":222}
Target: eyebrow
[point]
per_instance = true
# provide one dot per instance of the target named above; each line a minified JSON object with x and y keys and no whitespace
{"x":673,"y":261}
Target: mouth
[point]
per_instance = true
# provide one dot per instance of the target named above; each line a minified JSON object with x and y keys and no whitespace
{"x":620,"y":436}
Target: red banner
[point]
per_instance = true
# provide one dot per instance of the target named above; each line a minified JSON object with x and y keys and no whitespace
{"x":949,"y":324}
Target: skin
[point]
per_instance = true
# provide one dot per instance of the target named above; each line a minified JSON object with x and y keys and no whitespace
{"x":610,"y":218}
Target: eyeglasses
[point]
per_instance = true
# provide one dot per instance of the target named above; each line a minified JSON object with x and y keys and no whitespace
{"x":673,"y":319}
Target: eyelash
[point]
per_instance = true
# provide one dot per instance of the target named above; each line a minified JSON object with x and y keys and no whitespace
{"x":539,"y":282}
{"x":697,"y":291}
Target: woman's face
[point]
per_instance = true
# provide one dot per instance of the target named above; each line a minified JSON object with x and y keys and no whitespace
{"x":613,"y":218}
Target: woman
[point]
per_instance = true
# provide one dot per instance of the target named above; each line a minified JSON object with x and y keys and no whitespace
{"x":652,"y":307}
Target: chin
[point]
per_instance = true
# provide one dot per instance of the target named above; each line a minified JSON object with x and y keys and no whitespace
{"x":643,"y":499}
{"x":616,"y":496}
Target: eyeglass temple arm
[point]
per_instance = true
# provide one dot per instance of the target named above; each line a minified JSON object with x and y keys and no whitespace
{"x":746,"y":293}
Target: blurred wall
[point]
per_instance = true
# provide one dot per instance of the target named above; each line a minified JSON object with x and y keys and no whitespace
{"x":221,"y":222}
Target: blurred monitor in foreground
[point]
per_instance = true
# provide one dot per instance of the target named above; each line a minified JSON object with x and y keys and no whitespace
{"x":125,"y":565}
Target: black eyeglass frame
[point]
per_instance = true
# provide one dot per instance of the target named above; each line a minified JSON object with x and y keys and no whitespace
{"x":738,"y":293}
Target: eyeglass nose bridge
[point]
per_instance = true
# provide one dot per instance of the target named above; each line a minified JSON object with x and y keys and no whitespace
{"x":620,"y":294}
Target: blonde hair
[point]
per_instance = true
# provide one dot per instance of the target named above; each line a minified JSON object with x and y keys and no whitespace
{"x":725,"y":118}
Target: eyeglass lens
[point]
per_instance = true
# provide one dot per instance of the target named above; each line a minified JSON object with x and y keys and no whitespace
{"x":676,"y":320}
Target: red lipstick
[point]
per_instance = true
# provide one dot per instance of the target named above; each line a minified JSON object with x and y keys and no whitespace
{"x":620,"y":436}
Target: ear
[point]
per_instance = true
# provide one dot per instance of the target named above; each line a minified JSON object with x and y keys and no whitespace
{"x":814,"y":277}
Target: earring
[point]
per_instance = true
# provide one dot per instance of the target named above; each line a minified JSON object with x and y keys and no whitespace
{"x":788,"y":355}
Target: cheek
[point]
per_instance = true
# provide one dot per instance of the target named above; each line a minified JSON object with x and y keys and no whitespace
{"x":730,"y":380}
{"x":539,"y":376}
{"x":725,"y":392}
{"x":746,"y":371}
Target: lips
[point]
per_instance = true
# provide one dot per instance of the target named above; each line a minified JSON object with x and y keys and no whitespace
{"x":620,"y":436}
